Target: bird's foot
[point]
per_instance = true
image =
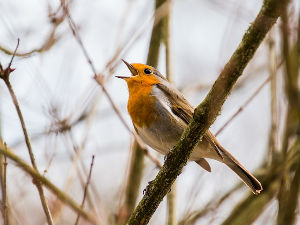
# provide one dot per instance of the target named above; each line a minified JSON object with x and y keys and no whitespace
{"x":166,"y":155}
{"x":147,"y":187}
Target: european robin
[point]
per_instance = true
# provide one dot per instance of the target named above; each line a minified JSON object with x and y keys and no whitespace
{"x":160,"y":113}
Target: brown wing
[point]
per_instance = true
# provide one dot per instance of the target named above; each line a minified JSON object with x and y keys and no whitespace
{"x":179,"y":105}
{"x":183,"y":109}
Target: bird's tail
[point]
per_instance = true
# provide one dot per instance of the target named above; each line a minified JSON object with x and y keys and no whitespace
{"x":245,"y":175}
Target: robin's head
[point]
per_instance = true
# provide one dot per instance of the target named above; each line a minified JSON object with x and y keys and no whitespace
{"x":142,"y":74}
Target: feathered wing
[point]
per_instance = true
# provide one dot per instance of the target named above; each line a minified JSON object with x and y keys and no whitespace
{"x":182,"y":109}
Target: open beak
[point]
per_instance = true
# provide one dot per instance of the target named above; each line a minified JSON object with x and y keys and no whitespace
{"x":122,"y":77}
{"x":133,"y":71}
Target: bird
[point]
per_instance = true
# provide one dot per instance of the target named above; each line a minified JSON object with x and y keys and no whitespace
{"x":160,"y":113}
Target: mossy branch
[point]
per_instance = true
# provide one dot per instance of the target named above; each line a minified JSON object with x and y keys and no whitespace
{"x":206,"y":113}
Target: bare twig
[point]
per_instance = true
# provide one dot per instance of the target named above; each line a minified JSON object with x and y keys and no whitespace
{"x":137,"y":157}
{"x":133,"y":182}
{"x":251,"y":207}
{"x":51,"y":39}
{"x":212,"y":206}
{"x":171,"y":196}
{"x":160,"y":12}
{"x":288,"y":193}
{"x":85,"y":188}
{"x":4,"y":75}
{"x":166,"y":40}
{"x":100,"y":80}
{"x":171,"y":206}
{"x":260,"y":87}
{"x":43,"y":180}
{"x":74,"y":172}
{"x":3,"y":176}
{"x":78,"y":154}
{"x":273,"y":135}
{"x":4,"y":200}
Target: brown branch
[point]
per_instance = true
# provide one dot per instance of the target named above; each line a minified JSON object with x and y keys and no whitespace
{"x":133,"y":182}
{"x":4,"y":75}
{"x":206,"y":113}
{"x":158,"y":15}
{"x":274,"y":129}
{"x":49,"y":42}
{"x":171,"y":196}
{"x":251,"y":207}
{"x":57,"y":205}
{"x":138,"y":153}
{"x":210,"y":207}
{"x":4,"y":191}
{"x":100,"y":80}
{"x":242,"y":107}
{"x":43,"y":180}
{"x":85,"y":188}
{"x":78,"y":154}
{"x":288,"y":193}
{"x":166,"y":40}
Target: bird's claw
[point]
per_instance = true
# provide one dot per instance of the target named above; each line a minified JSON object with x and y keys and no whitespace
{"x":147,"y":187}
{"x":166,"y":155}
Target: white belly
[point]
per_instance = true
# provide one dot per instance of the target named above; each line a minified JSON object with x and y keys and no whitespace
{"x":164,"y":142}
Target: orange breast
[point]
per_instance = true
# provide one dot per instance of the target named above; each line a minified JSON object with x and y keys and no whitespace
{"x":141,"y":104}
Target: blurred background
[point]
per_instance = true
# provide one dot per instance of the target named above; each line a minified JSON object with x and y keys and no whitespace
{"x":69,"y":118}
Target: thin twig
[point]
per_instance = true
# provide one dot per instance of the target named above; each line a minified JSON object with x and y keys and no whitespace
{"x":5,"y":76}
{"x":100,"y":81}
{"x":43,"y":180}
{"x":244,"y":105}
{"x":13,"y":56}
{"x":49,"y":42}
{"x":57,"y":205}
{"x":98,"y":78}
{"x":288,"y":193}
{"x":171,"y":196}
{"x":273,"y":135}
{"x":78,"y":155}
{"x":166,"y":40}
{"x":5,"y":205}
{"x":159,"y":13}
{"x":212,"y":206}
{"x":85,"y":188}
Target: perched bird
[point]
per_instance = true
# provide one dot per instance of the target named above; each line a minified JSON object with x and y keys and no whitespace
{"x":160,"y":113}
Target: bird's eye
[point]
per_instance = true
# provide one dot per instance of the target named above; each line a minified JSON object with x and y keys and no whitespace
{"x":147,"y":71}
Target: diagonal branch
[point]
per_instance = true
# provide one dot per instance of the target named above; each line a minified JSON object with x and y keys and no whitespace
{"x":206,"y":113}
{"x":4,"y":75}
{"x":86,"y":188}
{"x":44,"y":181}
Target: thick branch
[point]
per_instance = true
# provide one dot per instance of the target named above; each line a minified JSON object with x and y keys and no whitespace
{"x":206,"y":113}
{"x":156,"y":36}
